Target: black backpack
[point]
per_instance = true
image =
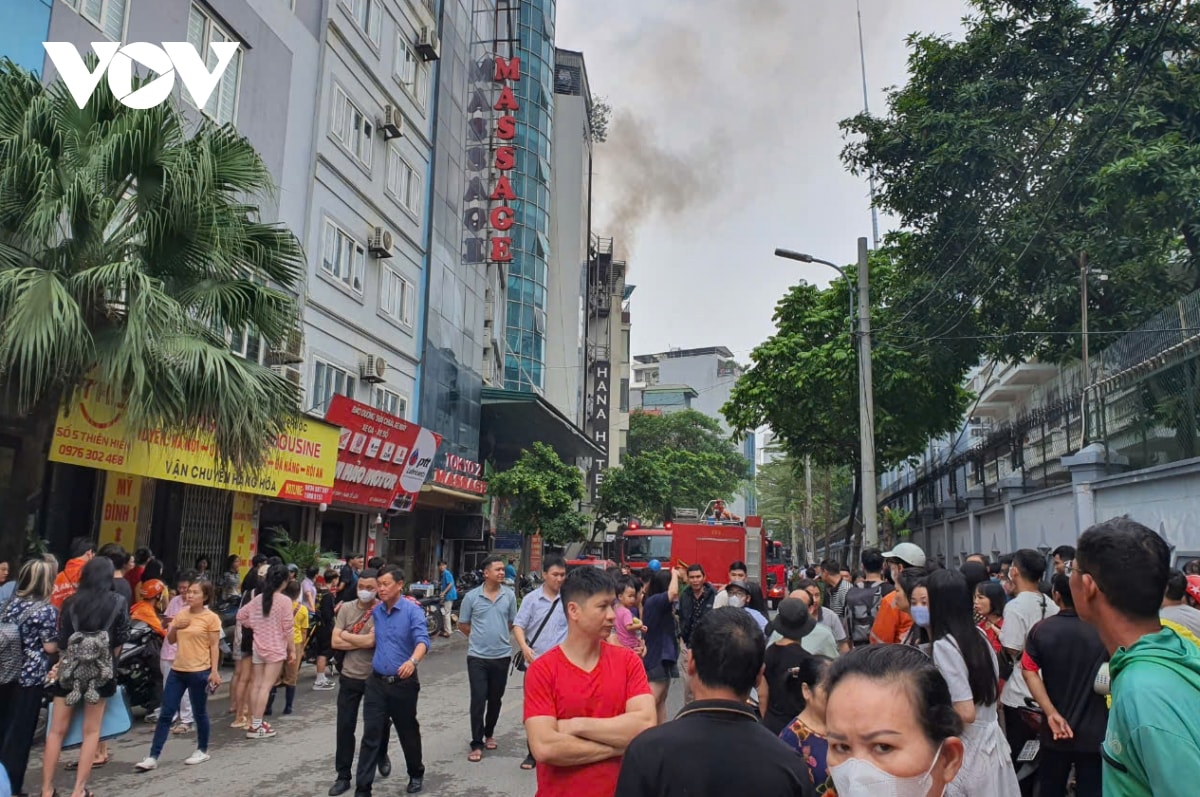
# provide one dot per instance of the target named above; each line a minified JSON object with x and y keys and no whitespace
{"x":862,"y":606}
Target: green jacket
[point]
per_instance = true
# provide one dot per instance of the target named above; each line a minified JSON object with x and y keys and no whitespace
{"x":1153,"y":742}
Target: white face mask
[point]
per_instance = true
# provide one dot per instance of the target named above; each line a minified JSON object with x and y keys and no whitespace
{"x":366,"y":596}
{"x":737,"y":601}
{"x":857,"y":777}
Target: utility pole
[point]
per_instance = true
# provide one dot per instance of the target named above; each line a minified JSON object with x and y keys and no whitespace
{"x":862,"y":57}
{"x":809,"y":537}
{"x":866,"y":409}
{"x":1083,"y":323}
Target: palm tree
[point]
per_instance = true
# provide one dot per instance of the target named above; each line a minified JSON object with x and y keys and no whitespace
{"x":129,"y":249}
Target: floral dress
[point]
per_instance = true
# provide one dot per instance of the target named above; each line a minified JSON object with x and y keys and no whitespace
{"x":814,"y":749}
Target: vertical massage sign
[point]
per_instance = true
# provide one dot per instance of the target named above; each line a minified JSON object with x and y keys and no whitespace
{"x":488,"y":215}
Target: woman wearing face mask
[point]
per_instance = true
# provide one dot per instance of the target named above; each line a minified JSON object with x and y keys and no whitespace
{"x":966,"y":660}
{"x":806,"y":733}
{"x":912,"y":599}
{"x":891,"y":725}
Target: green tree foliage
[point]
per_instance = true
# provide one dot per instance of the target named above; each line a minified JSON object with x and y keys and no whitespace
{"x":1053,"y":128}
{"x":129,"y":247}
{"x":541,"y":494}
{"x":782,"y":495}
{"x":678,"y":459}
{"x":803,"y":381}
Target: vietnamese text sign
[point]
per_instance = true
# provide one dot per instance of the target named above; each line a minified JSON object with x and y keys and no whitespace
{"x":92,"y":432}
{"x":122,"y":500}
{"x":243,"y":534}
{"x":382,"y":460}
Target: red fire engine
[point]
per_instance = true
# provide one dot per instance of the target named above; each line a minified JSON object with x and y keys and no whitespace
{"x":713,"y":539}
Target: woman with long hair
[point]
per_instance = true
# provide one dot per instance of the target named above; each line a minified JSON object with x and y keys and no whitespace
{"x":966,"y":660}
{"x":93,"y":610}
{"x":269,"y":616}
{"x":806,"y":733}
{"x":20,"y":701}
{"x":989,"y":607}
{"x":243,"y":655}
{"x":658,"y":635}
{"x":912,"y":598}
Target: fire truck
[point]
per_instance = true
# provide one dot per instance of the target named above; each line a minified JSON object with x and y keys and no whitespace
{"x":714,"y":539}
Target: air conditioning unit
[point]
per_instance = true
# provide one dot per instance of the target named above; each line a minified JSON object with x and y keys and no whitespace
{"x":428,"y":45}
{"x":392,"y":124}
{"x":289,"y":350}
{"x":380,"y":244}
{"x":373,"y":369}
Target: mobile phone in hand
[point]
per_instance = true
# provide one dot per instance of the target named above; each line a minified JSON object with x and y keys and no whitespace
{"x":212,"y":688}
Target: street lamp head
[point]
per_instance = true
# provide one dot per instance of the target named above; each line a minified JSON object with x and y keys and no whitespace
{"x":790,"y":255}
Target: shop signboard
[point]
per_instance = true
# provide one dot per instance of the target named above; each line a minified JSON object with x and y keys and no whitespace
{"x":382,"y":459}
{"x":507,"y":542}
{"x":243,"y":532}
{"x":461,"y":474}
{"x":92,"y":432}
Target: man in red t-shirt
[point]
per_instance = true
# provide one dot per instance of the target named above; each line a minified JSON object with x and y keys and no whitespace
{"x":585,"y":700}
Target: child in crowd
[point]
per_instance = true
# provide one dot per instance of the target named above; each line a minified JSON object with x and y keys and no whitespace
{"x":626,"y":627}
{"x":291,"y":669}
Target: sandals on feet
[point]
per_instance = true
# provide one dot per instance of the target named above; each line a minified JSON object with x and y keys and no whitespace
{"x":489,"y":743}
{"x":475,"y":756}
{"x":529,"y":763}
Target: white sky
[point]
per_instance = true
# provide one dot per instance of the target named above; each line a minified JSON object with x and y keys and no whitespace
{"x":727,"y":146}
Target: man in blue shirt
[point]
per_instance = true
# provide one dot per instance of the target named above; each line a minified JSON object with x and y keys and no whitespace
{"x":510,"y":571}
{"x":486,"y":617}
{"x":541,"y":623}
{"x":449,"y":594}
{"x":401,"y":640}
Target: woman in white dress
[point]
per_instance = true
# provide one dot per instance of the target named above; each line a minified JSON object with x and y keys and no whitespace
{"x":966,"y":660}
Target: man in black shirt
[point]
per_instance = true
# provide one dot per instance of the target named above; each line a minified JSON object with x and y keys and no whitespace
{"x":1068,"y":652}
{"x":716,"y":745}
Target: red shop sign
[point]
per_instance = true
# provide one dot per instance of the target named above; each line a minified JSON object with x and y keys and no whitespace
{"x":382,"y":459}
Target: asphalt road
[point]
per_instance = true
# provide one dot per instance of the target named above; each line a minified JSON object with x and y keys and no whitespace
{"x":299,"y":761}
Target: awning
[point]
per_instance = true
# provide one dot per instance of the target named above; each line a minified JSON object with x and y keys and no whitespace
{"x":440,"y":496}
{"x":513,"y":420}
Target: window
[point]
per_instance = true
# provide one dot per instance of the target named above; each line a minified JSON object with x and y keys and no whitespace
{"x":352,"y":127}
{"x":329,"y":380}
{"x":248,"y":344}
{"x":107,"y":15}
{"x":343,"y":257}
{"x":396,"y":296}
{"x":410,"y":71}
{"x":203,"y":31}
{"x":390,"y":402}
{"x":403,"y":181}
{"x":368,"y":15}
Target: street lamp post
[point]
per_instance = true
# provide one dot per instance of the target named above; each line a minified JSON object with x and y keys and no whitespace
{"x":866,"y":396}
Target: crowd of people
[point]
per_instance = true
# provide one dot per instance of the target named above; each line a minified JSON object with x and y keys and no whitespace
{"x":1075,"y":673}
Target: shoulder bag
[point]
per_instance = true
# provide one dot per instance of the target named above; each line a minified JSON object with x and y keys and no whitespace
{"x":518,"y":659}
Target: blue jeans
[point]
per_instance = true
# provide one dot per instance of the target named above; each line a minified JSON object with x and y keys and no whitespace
{"x":196,"y":686}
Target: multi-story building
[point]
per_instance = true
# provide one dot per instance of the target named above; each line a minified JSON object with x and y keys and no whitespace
{"x":525,"y":316}
{"x":268,"y":91}
{"x":698,"y":379}
{"x":570,"y":235}
{"x":366,"y":228}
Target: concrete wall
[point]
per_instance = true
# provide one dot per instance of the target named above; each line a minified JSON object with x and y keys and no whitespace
{"x":699,"y":373}
{"x":1165,"y":498}
{"x":567,"y":276}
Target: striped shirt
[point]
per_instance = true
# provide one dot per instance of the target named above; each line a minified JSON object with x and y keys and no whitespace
{"x":837,"y":598}
{"x":271,"y":633}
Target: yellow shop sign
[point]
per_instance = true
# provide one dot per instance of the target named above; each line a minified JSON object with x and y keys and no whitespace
{"x":92,"y":432}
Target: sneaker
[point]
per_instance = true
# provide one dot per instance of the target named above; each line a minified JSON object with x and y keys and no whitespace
{"x":146,"y":764}
{"x":324,"y":686}
{"x":152,"y":716}
{"x":198,"y":757}
{"x":264,"y":731}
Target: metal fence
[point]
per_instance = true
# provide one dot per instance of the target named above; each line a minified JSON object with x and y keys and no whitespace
{"x":1141,"y":400}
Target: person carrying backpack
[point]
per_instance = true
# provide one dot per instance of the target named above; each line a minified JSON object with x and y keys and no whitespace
{"x":94,"y":623}
{"x":862,"y":603}
{"x":28,"y":638}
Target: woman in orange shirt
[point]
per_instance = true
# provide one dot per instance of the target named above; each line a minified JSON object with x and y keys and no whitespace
{"x":146,"y":608}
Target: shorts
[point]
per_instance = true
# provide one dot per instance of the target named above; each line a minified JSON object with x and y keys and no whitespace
{"x":289,"y":674}
{"x":105,"y":690}
{"x":257,"y":659}
{"x":667,"y":670}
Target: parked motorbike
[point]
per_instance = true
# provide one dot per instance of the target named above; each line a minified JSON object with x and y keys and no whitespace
{"x":137,"y":666}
